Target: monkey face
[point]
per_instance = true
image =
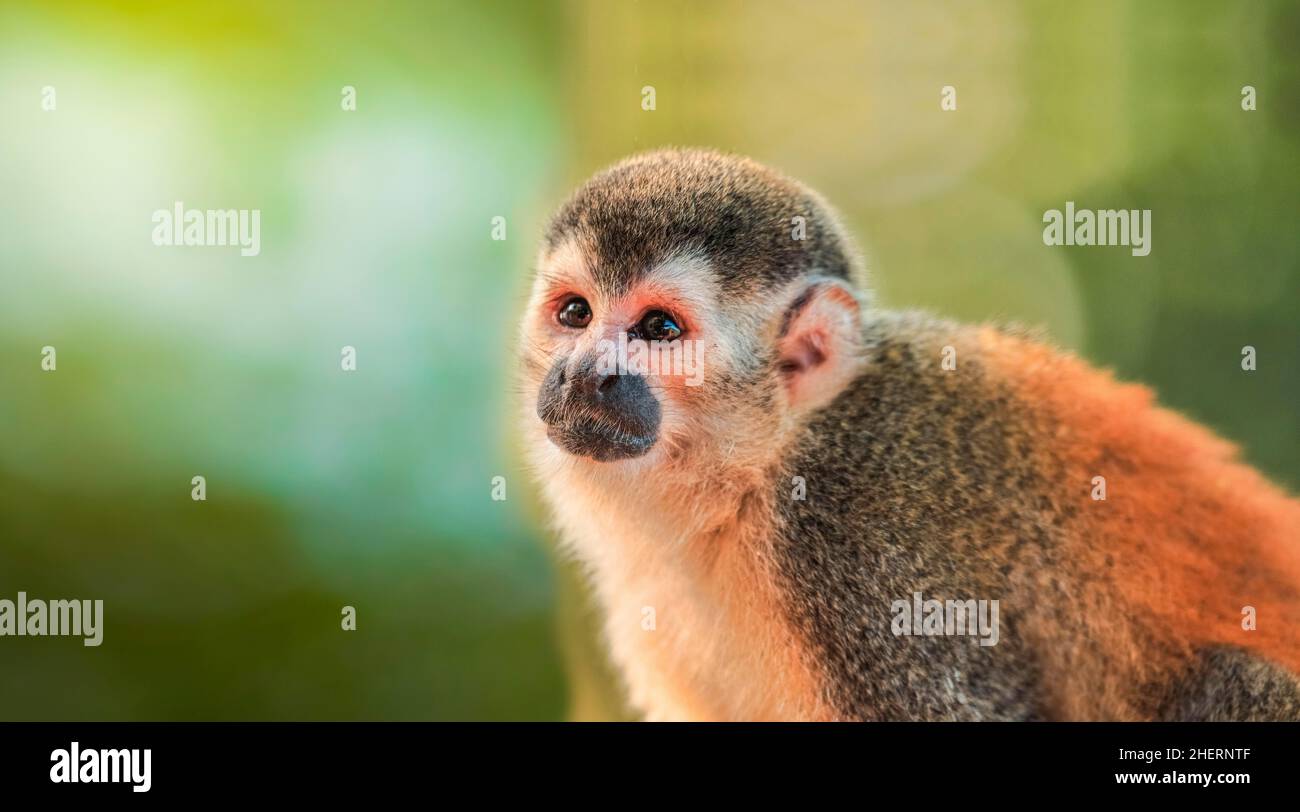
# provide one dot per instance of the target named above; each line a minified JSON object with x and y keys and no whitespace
{"x":676,"y":317}
{"x":608,"y":370}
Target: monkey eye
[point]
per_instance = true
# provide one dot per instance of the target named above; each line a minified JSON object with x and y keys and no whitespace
{"x":575,"y":313}
{"x":656,"y":326}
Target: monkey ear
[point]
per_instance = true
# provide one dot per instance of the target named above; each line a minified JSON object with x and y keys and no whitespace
{"x":819,"y":347}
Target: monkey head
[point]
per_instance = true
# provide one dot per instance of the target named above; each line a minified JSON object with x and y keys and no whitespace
{"x":686,"y":302}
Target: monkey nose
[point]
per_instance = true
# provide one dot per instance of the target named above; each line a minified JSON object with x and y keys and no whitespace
{"x":598,"y":387}
{"x":615,"y":393}
{"x":591,"y":382}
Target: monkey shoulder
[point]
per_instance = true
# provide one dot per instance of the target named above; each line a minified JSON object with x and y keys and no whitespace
{"x":923,"y":427}
{"x":911,"y":483}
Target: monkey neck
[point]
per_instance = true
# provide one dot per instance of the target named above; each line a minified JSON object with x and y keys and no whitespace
{"x":688,"y":499}
{"x":692,"y":540}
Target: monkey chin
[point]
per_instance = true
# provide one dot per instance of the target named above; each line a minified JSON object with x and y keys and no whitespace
{"x":600,"y":443}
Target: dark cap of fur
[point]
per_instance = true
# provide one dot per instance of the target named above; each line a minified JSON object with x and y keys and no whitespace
{"x":731,"y":210}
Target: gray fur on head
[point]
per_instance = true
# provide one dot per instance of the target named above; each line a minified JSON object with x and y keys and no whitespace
{"x":734,"y":211}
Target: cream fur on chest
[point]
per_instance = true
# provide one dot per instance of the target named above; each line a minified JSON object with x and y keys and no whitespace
{"x":689,"y":610}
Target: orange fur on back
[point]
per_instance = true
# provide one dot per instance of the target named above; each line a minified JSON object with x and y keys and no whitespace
{"x":1186,"y":537}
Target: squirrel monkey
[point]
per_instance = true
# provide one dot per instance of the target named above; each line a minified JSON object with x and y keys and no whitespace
{"x":795,"y":505}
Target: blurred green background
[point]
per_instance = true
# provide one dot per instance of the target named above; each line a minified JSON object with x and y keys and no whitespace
{"x":373,"y":488}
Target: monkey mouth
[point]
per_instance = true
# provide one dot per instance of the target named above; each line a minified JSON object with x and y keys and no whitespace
{"x":599,"y":441}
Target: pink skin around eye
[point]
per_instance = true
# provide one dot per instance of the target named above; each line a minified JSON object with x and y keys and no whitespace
{"x":671,"y":387}
{"x":646,"y":301}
